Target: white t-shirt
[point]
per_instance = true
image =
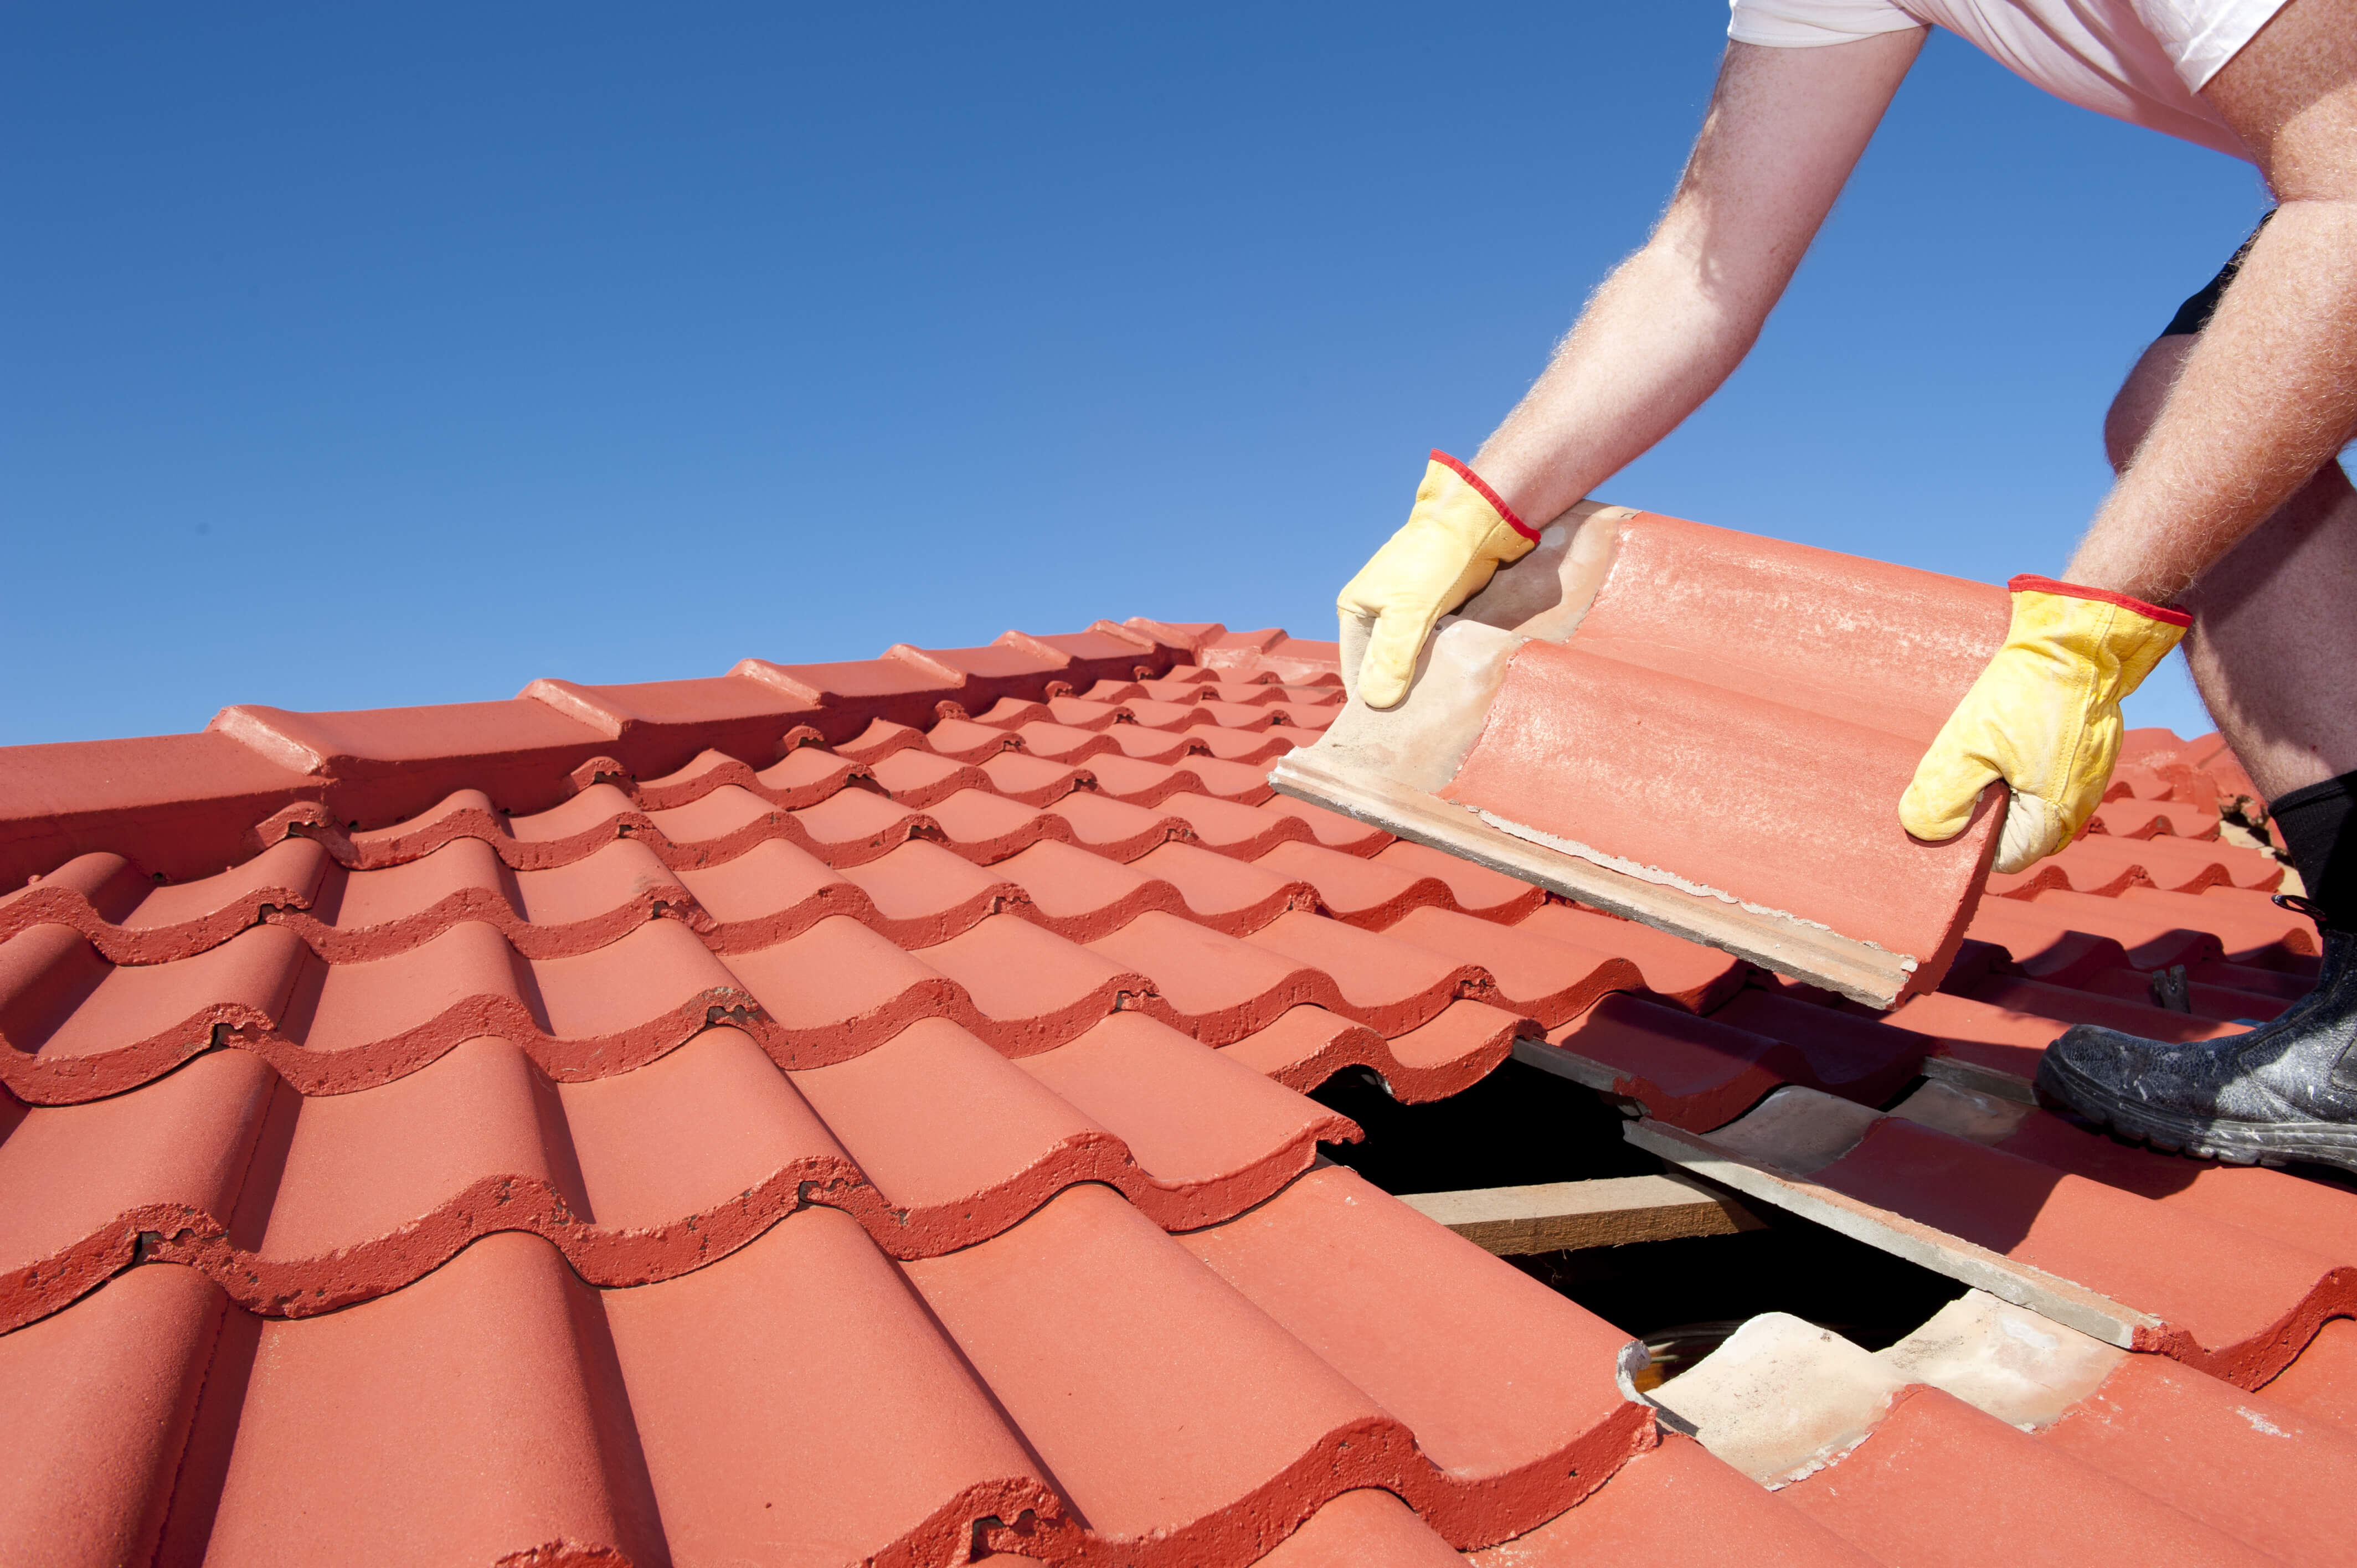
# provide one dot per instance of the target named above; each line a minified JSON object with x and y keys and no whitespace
{"x":2143,"y":61}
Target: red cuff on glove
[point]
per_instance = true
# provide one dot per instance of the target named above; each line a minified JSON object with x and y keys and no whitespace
{"x":1474,"y":479}
{"x":2026,"y":583}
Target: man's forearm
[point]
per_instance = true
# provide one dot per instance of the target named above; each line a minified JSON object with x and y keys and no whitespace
{"x":2267,"y":397}
{"x":1653,"y":345}
{"x":1784,"y":128}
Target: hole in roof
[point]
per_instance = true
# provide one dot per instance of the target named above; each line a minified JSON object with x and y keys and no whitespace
{"x":1514,"y":1128}
{"x":1519,"y":1126}
{"x":1681,"y":1292}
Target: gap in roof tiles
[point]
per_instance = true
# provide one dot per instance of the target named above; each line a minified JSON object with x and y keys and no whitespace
{"x":1521,"y":1126}
{"x":1517,"y":1127}
{"x":1683,"y":1297}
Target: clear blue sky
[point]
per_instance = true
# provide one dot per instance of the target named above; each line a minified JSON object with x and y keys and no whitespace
{"x":359,"y":357}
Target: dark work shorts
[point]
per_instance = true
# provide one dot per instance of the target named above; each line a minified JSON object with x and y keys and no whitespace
{"x":2195,"y":312}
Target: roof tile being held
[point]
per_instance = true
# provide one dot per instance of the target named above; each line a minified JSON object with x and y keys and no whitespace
{"x":1700,"y":729}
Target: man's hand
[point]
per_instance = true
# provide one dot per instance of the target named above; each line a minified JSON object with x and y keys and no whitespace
{"x":2044,"y":716}
{"x":1453,"y":543}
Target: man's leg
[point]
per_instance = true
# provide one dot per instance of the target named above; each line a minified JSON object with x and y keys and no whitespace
{"x":2274,"y":644}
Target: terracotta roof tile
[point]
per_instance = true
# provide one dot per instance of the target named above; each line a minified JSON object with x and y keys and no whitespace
{"x":1512,"y":1396}
{"x":1677,"y":971}
{"x":1857,"y":1058}
{"x":1356,"y":890}
{"x":1574,"y":718}
{"x":1540,"y":976}
{"x":917,"y":779}
{"x":2102,"y":863}
{"x":987,"y":828}
{"x":2130,"y":818}
{"x":181,"y":806}
{"x":1901,"y":1495}
{"x":2237,"y":1461}
{"x":2063,"y":1005}
{"x":1677,"y":1507}
{"x":1690,"y":1072}
{"x":2229,"y":1299}
{"x":1358,"y":1529}
{"x":1225,"y":987}
{"x":1033,"y":780}
{"x":2220,"y":1003}
{"x":2146,"y":939}
{"x":1390,"y":984}
{"x":1475,"y":889}
{"x":1307,"y":1045}
{"x":1086,"y":895}
{"x":1123,"y":777}
{"x":1122,"y":832}
{"x":129,"y":919}
{"x":810,"y":1318}
{"x":2323,"y":1382}
{"x":1234,"y":745}
{"x":1332,"y":829}
{"x":1232,"y":828}
{"x":1991,"y":1411}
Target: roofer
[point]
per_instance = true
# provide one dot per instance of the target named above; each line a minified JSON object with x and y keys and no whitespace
{"x":2231,"y":523}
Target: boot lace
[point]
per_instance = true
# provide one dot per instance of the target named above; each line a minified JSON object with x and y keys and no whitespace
{"x":2300,"y":906}
{"x":2312,"y":909}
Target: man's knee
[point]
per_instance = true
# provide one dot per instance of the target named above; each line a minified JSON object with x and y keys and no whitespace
{"x":2137,"y":403}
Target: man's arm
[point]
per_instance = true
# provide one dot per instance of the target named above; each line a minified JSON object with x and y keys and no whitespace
{"x":1784,"y":128}
{"x":2269,"y":394}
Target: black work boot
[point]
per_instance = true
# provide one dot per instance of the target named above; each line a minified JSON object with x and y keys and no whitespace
{"x":2287,"y":1090}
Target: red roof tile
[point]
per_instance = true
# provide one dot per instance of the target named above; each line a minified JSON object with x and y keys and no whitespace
{"x":2228,"y":1298}
{"x":2240,"y":1463}
{"x":1577,"y":721}
{"x":1935,"y":1461}
{"x":1679,"y":1507}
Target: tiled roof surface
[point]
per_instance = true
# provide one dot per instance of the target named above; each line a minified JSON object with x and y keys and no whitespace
{"x":852,"y":1113}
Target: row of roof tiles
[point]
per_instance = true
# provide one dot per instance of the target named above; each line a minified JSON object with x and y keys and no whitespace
{"x":182,"y":805}
{"x":895,"y":972}
{"x":1047,"y":1391}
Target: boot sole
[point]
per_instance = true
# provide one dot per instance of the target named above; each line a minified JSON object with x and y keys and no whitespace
{"x":2235,"y":1143}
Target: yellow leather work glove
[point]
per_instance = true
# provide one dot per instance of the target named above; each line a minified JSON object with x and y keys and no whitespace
{"x":1453,"y":543}
{"x":2044,"y":716}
